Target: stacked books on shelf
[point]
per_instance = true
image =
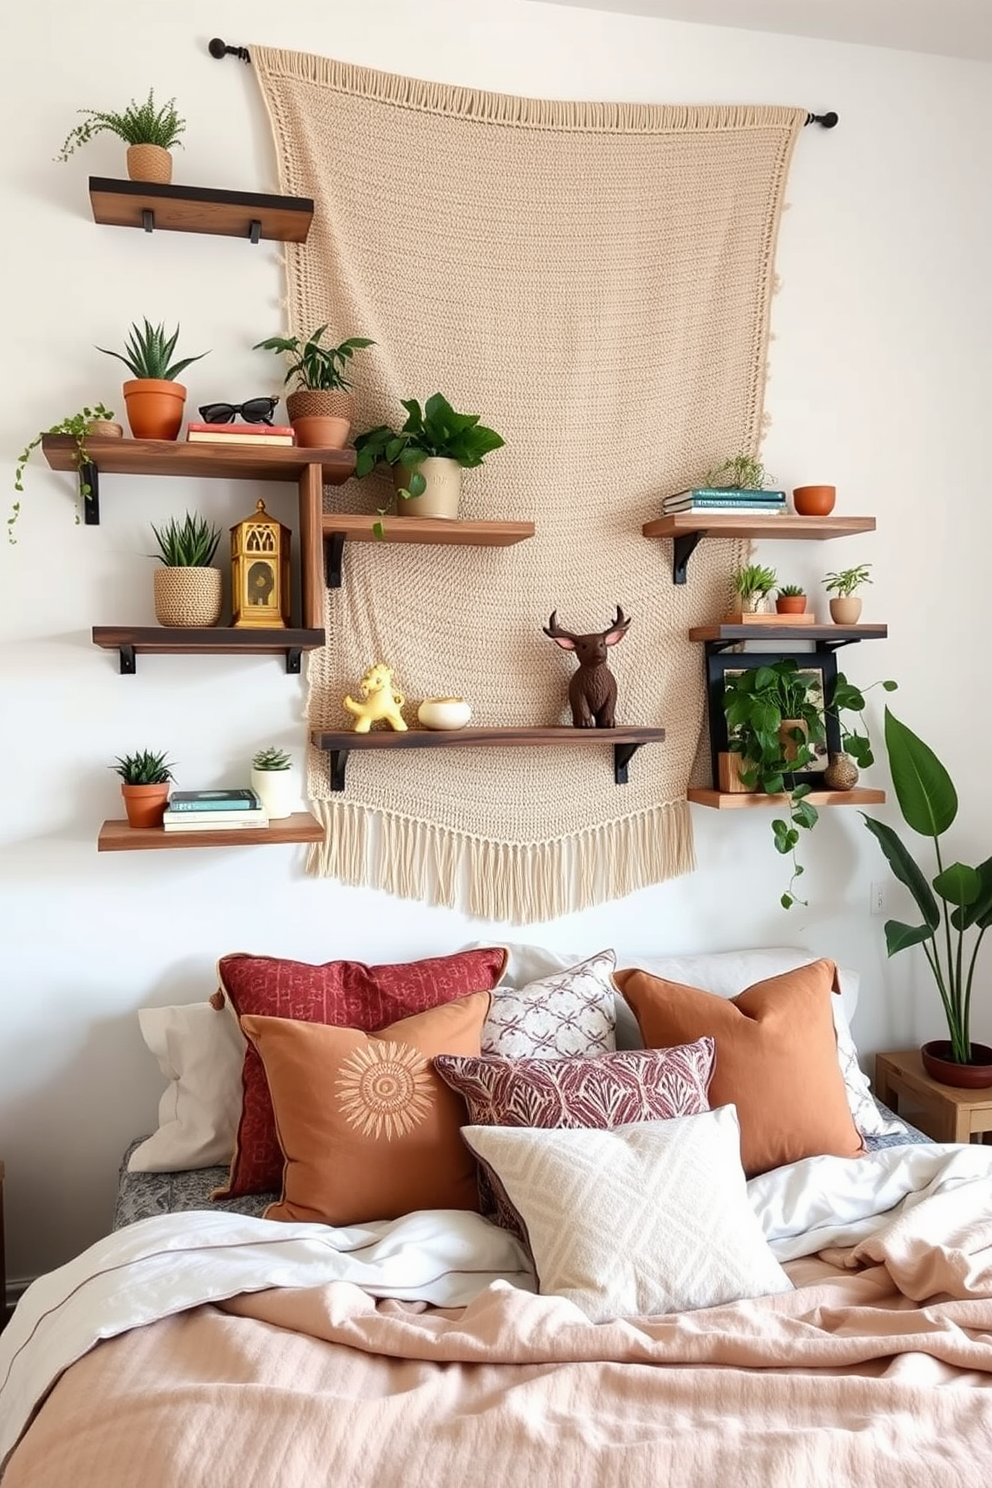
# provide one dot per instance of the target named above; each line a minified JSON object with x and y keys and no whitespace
{"x":717,"y":499}
{"x":240,"y":434}
{"x":214,"y":811}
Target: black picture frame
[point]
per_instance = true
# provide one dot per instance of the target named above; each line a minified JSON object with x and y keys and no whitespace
{"x":721,"y":662}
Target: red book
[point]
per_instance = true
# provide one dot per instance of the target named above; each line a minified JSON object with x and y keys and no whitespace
{"x":239,"y":431}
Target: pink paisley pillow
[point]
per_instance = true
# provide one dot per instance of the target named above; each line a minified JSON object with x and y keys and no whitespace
{"x":602,"y":1093}
{"x":345,"y":994}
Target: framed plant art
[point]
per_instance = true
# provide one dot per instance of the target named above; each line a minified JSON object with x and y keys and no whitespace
{"x":813,"y":681}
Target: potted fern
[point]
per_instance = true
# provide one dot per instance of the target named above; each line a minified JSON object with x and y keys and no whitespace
{"x":321,"y":407}
{"x":149,"y":131}
{"x":187,"y":590}
{"x":80,"y":427}
{"x":428,"y":454}
{"x":273,"y":781}
{"x":145,"y":777}
{"x":154,"y":399}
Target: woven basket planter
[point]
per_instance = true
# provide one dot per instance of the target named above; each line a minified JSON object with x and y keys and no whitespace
{"x":188,"y":596}
{"x":149,"y":163}
{"x":321,"y":417}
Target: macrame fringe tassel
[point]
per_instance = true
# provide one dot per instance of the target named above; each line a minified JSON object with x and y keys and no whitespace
{"x":512,"y":882}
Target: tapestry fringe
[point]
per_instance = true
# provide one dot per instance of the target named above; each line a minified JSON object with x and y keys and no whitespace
{"x":519,"y":883}
{"x":505,"y":108}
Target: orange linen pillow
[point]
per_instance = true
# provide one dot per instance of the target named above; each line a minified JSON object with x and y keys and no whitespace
{"x":776,"y":1058}
{"x":367,"y":1129}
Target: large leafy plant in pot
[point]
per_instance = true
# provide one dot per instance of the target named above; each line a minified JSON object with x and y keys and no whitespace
{"x":955,"y":904}
{"x":321,"y":406}
{"x":428,"y":453}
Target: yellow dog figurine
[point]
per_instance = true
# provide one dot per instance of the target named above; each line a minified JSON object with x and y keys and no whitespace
{"x":380,"y":700}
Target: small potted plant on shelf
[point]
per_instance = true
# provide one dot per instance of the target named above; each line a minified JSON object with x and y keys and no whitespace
{"x":845,"y":607}
{"x":145,"y":778}
{"x":148,"y":130}
{"x":154,"y":399}
{"x":86,"y":424}
{"x":428,"y":453}
{"x":321,"y":406}
{"x":753,"y":582}
{"x":188,"y":590}
{"x":272,"y":780}
{"x":790,"y":599}
{"x":738,"y":473}
{"x":953,"y":904}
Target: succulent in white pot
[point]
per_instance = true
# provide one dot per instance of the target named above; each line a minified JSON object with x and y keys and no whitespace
{"x":273,"y":779}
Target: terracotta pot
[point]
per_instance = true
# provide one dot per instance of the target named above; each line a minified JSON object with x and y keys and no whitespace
{"x":791,"y":604}
{"x":845,"y":611}
{"x":188,"y":596}
{"x":443,"y":493}
{"x":145,"y":804}
{"x":154,"y":407}
{"x":321,"y":418}
{"x":814,"y":501}
{"x":841,"y":773}
{"x":149,"y":163}
{"x":939,"y":1065}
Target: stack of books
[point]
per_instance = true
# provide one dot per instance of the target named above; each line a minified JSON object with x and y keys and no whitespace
{"x":716,"y":499}
{"x":213,"y":811}
{"x":240,"y":434}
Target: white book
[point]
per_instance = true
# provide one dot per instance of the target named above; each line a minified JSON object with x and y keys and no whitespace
{"x":217,"y":818}
{"x":197,"y":824}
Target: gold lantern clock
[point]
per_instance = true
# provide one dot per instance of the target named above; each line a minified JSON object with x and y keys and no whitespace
{"x":260,"y":571}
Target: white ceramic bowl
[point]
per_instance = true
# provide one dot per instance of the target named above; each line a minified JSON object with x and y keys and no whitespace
{"x":444,"y":713}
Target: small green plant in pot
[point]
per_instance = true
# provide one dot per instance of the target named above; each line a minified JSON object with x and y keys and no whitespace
{"x":188,"y":591}
{"x":753,"y":583}
{"x":154,"y":399}
{"x":321,"y":407}
{"x":81,"y":426}
{"x":145,"y":777}
{"x":273,"y":781}
{"x":428,"y":453}
{"x":955,"y":904}
{"x":149,"y":130}
{"x":739,"y":473}
{"x":845,"y":606}
{"x":790,"y":599}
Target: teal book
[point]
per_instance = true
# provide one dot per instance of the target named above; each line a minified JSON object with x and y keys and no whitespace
{"x":215,"y":800}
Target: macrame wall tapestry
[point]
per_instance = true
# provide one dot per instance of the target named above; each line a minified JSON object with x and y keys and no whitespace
{"x":594,"y":281}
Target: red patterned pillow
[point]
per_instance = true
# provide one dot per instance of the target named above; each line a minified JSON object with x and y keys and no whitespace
{"x":608,"y":1091}
{"x":346,"y":994}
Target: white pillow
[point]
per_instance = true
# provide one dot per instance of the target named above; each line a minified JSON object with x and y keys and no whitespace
{"x":200,"y":1050}
{"x":644,"y":1219}
{"x":567,"y":1014}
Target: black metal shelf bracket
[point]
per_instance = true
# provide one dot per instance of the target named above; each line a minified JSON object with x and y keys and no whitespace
{"x":337,"y":761}
{"x":129,"y":663}
{"x":683,"y":547}
{"x":254,"y":230}
{"x":622,"y":756}
{"x":294,"y":659}
{"x":334,"y":559}
{"x":89,"y":476}
{"x":148,"y":219}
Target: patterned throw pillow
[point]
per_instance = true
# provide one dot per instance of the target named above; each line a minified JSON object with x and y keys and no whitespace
{"x":567,"y":1013}
{"x":341,"y":993}
{"x":646,"y":1219}
{"x":369,"y":1131}
{"x":613,"y":1090}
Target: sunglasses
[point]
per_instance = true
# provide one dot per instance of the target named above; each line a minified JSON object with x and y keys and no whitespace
{"x":255,"y":411}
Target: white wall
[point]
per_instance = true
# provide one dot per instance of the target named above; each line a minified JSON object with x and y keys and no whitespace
{"x":880,"y":380}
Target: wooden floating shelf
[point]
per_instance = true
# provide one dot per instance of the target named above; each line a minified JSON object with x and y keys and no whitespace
{"x":838,"y":634}
{"x":214,"y":640}
{"x":273,"y":462}
{"x":738,"y":800}
{"x":341,"y":527}
{"x":117,"y":836}
{"x":624,"y":741}
{"x":686,"y":529}
{"x":198,"y":209}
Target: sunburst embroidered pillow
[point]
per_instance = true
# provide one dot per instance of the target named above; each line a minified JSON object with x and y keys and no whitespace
{"x":367,"y":1129}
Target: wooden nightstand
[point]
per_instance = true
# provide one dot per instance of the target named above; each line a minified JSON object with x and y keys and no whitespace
{"x":948,"y":1115}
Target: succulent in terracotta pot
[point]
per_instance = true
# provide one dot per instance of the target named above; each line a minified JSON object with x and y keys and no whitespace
{"x":154,"y":399}
{"x":145,"y":777}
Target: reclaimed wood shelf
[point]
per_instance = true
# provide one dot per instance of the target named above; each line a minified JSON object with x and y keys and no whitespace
{"x":838,"y":634}
{"x":625,"y":742}
{"x":687,"y":529}
{"x":342,"y":527}
{"x":738,"y":800}
{"x":131,"y":641}
{"x":117,"y":836}
{"x":200,"y":209}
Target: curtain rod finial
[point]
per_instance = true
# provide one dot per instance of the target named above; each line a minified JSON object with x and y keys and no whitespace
{"x":826,"y":121}
{"x":220,"y":49}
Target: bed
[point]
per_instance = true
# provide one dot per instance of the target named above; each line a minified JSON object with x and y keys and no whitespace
{"x":827,"y":1320}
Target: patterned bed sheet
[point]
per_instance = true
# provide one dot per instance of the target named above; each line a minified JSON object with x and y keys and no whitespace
{"x":141,"y":1195}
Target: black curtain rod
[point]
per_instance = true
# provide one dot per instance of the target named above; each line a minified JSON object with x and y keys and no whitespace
{"x":220,"y":49}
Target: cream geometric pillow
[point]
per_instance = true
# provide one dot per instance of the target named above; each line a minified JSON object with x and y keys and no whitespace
{"x":563,"y":1015}
{"x":644,"y":1219}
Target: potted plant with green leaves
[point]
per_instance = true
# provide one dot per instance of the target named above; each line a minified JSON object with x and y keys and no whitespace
{"x":145,"y":777}
{"x":273,"y":781}
{"x":738,"y":473}
{"x":790,"y":599}
{"x":753,"y":582}
{"x":845,"y":607}
{"x":321,"y":406}
{"x":188,"y":591}
{"x":955,"y":904}
{"x":154,"y":399}
{"x":149,"y":130}
{"x":88,"y":423}
{"x":428,"y":453}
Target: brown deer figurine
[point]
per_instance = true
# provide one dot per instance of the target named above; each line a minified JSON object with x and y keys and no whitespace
{"x":592,"y":692}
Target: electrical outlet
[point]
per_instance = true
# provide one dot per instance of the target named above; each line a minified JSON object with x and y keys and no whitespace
{"x":878,"y":898}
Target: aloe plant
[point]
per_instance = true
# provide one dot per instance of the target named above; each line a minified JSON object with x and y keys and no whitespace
{"x":148,"y":353}
{"x":316,"y":368}
{"x":138,"y":124}
{"x":271,"y":759}
{"x":190,"y":543}
{"x":145,"y":767}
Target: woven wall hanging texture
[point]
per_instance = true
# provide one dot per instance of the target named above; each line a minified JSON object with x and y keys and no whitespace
{"x":594,"y":280}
